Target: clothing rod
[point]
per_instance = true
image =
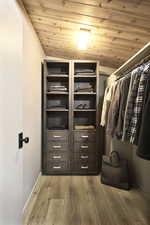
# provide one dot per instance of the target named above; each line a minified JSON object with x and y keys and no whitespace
{"x":145,"y":51}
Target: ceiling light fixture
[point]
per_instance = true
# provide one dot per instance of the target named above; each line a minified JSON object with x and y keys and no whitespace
{"x":84,"y":38}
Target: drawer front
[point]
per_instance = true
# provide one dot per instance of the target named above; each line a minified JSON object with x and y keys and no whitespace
{"x":57,"y":136}
{"x":84,"y":148}
{"x":57,"y":167}
{"x":57,"y":146}
{"x":84,"y":168}
{"x":85,"y":158}
{"x":58,"y":156}
{"x":84,"y":136}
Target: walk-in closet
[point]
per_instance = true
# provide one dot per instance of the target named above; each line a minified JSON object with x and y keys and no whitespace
{"x":75,"y":112}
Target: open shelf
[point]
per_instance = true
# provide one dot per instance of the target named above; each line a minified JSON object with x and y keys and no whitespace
{"x":57,"y":110}
{"x":84,"y":110}
{"x":85,"y":68}
{"x":57,"y":93}
{"x":84,"y":130}
{"x":57,"y":130}
{"x":84,"y":93}
{"x":57,"y":120}
{"x":84,"y":118}
{"x":57,"y":75}
{"x":85,"y":76}
{"x":57,"y":68}
{"x":57,"y":103}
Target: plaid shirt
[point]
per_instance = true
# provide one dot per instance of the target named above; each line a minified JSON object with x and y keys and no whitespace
{"x":138,"y":106}
{"x":133,"y":89}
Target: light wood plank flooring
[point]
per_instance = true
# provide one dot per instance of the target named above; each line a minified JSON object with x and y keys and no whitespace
{"x":83,"y":200}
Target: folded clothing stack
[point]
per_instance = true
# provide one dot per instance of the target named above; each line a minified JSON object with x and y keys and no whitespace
{"x":84,"y":71}
{"x":57,"y":88}
{"x":84,"y":127}
{"x":84,"y":90}
{"x":87,"y":88}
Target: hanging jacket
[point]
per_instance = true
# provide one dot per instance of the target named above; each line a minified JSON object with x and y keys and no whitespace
{"x":106,"y":103}
{"x":114,"y":110}
{"x":133,"y":89}
{"x":122,"y":105}
{"x":143,"y":149}
{"x":139,"y":103}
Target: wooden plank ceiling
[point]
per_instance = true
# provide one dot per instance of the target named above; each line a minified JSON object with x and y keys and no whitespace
{"x":119,"y":28}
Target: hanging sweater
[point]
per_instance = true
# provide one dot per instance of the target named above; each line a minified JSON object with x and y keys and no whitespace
{"x":106,"y":103}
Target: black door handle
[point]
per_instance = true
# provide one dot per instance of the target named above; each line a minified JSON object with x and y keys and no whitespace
{"x":26,"y":140}
{"x":22,"y":140}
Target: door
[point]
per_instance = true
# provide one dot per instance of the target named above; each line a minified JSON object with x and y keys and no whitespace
{"x":31,"y":109}
{"x":10,"y":113}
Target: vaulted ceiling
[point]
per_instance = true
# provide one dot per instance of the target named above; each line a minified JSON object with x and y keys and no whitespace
{"x":119,"y":28}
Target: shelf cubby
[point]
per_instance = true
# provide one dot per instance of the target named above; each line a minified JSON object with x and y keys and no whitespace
{"x":89,"y":102}
{"x":57,"y":68}
{"x":85,"y":68}
{"x":84,"y":118}
{"x":57,"y":120}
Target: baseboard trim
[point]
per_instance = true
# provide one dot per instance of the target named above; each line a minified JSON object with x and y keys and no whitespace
{"x":30,"y":195}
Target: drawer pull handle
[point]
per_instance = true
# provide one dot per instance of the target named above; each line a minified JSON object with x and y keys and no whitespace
{"x":56,"y":167}
{"x":84,"y":146}
{"x":84,"y":157}
{"x":57,"y":146}
{"x":84,"y":167}
{"x":84,"y":136}
{"x":56,"y":136}
{"x":57,"y":157}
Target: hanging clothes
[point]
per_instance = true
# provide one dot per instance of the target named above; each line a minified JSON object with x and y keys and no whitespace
{"x":129,"y":109}
{"x":114,"y":109}
{"x":122,"y":105}
{"x":106,"y":103}
{"x":143,"y":149}
{"x":139,"y":103}
{"x":133,"y":89}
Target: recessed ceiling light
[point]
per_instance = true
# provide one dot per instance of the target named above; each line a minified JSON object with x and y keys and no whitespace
{"x":84,"y":38}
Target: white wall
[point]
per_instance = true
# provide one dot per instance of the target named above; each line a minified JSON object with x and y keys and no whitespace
{"x":32,"y":58}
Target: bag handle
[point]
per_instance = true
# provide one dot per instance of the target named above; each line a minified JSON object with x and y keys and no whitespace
{"x":116,"y":154}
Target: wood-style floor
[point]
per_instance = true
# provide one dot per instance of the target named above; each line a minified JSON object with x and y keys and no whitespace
{"x":83,"y":200}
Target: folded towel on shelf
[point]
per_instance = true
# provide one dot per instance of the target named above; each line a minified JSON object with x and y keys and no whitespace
{"x":84,"y":127}
{"x":57,"y":88}
{"x":84,"y":90}
{"x":82,"y":71}
{"x":85,"y":74}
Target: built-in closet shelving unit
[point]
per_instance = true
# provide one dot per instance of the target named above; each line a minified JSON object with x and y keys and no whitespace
{"x":71,"y":117}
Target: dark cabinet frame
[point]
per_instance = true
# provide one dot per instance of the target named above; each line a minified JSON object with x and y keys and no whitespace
{"x":74,"y":165}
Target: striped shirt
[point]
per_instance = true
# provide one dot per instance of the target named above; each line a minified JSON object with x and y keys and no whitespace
{"x":138,"y":106}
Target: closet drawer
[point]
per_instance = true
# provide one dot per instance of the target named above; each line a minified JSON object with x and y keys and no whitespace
{"x":56,"y":157}
{"x":57,"y":146}
{"x":85,"y":168}
{"x":85,"y":157}
{"x":57,"y":136}
{"x":84,"y":148}
{"x":85,"y":136}
{"x":57,"y":167}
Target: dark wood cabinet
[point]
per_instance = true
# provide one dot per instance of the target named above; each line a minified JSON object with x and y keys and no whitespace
{"x":71,"y":118}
